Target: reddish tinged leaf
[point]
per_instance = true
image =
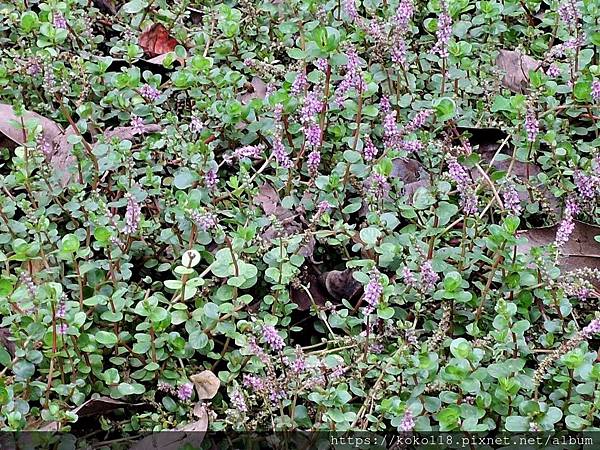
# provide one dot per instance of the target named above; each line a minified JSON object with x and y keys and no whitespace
{"x":267,"y":198}
{"x":156,"y":40}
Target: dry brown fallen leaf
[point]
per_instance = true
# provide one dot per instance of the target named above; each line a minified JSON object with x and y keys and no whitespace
{"x":580,"y":251}
{"x":516,"y":67}
{"x":11,"y":125}
{"x":408,"y":170}
{"x":93,"y":407}
{"x":207,"y":384}
{"x":342,"y":285}
{"x":106,"y":6}
{"x":128,"y":133}
{"x":156,"y":40}
{"x":202,"y":423}
{"x":60,"y":157}
{"x":257,"y":88}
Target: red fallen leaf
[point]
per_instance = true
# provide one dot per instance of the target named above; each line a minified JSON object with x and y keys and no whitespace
{"x":156,"y":40}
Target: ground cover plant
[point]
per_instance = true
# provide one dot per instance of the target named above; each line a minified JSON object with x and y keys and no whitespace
{"x":376,"y":215}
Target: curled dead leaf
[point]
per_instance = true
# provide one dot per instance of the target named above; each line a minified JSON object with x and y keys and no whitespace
{"x":202,"y":423}
{"x":257,"y":88}
{"x":207,"y":384}
{"x":341,"y":285}
{"x":516,"y":67}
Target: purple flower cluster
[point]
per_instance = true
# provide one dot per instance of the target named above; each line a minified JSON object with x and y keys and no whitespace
{"x":249,"y":151}
{"x":313,"y":161}
{"x":61,"y":309}
{"x":384,"y":105}
{"x":411,"y":146}
{"x":574,"y":43}
{"x":377,"y":184}
{"x":512,"y":203}
{"x":408,"y":422}
{"x":428,"y":277}
{"x":338,"y":372}
{"x":272,"y":338}
{"x":372,"y":294}
{"x":408,"y":277}
{"x":196,"y":125}
{"x":401,"y":20}
{"x":350,"y":9}
{"x":253,"y":382}
{"x":417,"y":122}
{"x":403,"y":15}
{"x":269,"y":90}
{"x":353,"y":78}
{"x":59,"y":21}
{"x":150,"y":93}
{"x":137,"y":123}
{"x":308,"y":116}
{"x":587,"y":185}
{"x":399,"y":50}
{"x":390,"y":129}
{"x":206,"y":221}
{"x":321,"y":64}
{"x":312,"y":133}
{"x":210,"y":179}
{"x":281,"y":156}
{"x":238,"y":401}
{"x":568,"y":12}
{"x":298,"y":365}
{"x":62,"y":328}
{"x":596,"y":90}
{"x":300,"y":84}
{"x":256,"y":350}
{"x":567,"y":224}
{"x":375,"y":30}
{"x":443,"y":33}
{"x":369,"y":150}
{"x":276,"y":396}
{"x":553,"y":71}
{"x":133,"y":215}
{"x":185,"y":391}
{"x":590,"y":329}
{"x":312,"y":106}
{"x":468,"y":198}
{"x":323,"y":207}
{"x":532,"y":125}
{"x":33,"y":67}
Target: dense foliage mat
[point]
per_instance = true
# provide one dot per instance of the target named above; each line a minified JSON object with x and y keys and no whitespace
{"x":299,"y":214}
